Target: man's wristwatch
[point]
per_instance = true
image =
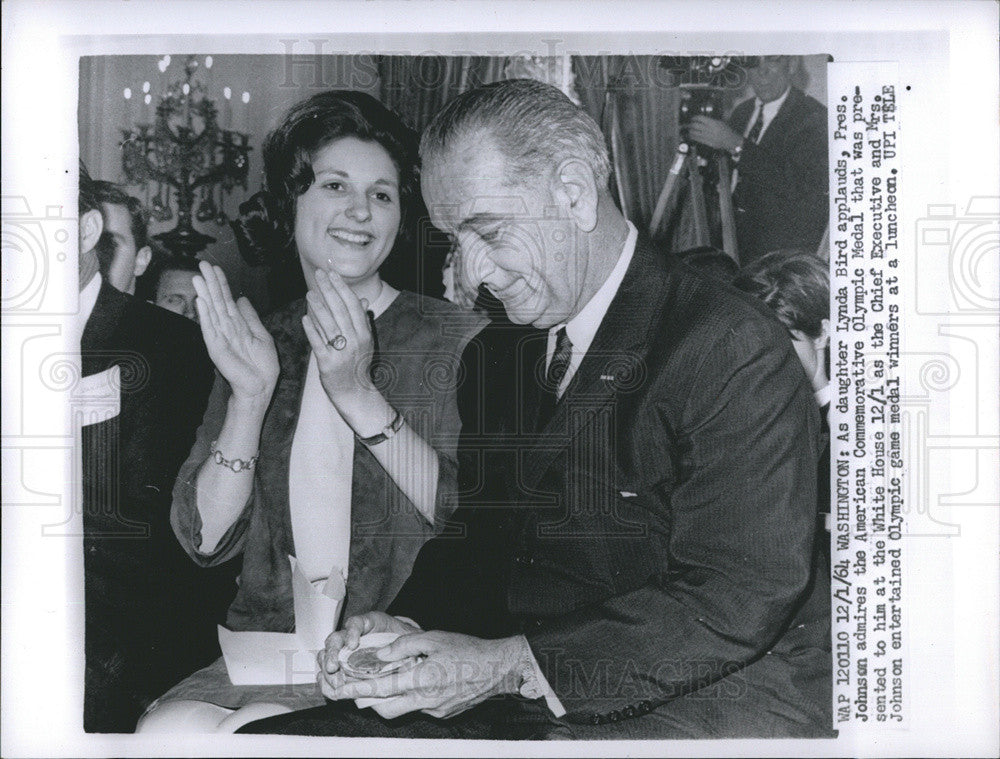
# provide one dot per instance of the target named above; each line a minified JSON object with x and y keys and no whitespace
{"x":738,"y":150}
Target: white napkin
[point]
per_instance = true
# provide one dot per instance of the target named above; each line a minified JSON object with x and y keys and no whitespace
{"x":268,"y":658}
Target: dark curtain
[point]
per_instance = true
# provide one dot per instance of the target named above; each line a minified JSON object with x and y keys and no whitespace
{"x":417,"y":87}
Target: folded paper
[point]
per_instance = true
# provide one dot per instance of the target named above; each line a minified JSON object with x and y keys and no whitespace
{"x":269,"y":658}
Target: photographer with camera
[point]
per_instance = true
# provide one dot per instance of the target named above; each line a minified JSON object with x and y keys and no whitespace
{"x":778,"y":142}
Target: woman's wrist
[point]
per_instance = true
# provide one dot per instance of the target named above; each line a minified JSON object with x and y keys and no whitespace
{"x":239,"y":437}
{"x":366,"y":411}
{"x":250,"y":405}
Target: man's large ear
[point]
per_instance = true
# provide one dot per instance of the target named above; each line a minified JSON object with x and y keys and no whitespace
{"x":91,"y":227}
{"x":576,"y":187}
{"x":142,"y":259}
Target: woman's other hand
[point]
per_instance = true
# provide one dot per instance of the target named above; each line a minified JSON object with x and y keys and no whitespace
{"x":237,"y":342}
{"x":337,"y":327}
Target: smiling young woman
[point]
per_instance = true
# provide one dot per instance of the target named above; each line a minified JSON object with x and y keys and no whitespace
{"x":349,"y":217}
{"x":310,"y":446}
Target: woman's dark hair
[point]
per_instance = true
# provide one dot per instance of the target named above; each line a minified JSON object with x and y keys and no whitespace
{"x":265,"y":229}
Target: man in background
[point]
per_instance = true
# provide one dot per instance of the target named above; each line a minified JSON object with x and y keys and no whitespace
{"x":778,"y":142}
{"x":167,"y":283}
{"x":123,"y":252}
{"x":150,"y":612}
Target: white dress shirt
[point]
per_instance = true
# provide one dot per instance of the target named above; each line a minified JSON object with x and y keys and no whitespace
{"x":88,"y":299}
{"x":824,"y":395}
{"x":823,"y":398}
{"x":582,"y":327}
{"x":770,"y":111}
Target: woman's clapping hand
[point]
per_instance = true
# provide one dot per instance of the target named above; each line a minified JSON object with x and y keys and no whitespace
{"x":336,"y":325}
{"x":239,"y":345}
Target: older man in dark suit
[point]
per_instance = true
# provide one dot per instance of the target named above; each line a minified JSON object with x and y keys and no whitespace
{"x":632,"y":557}
{"x":778,"y":140}
{"x":150,"y":614}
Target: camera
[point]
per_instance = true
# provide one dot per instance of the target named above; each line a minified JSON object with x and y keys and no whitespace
{"x":703,"y":82}
{"x":699,"y":100}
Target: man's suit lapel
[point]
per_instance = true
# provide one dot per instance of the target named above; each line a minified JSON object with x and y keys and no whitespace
{"x":531,"y":357}
{"x":613,"y":363}
{"x":741,"y":115}
{"x":786,"y":114}
{"x":98,"y":343}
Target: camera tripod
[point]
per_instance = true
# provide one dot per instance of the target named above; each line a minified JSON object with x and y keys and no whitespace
{"x":688,"y":160}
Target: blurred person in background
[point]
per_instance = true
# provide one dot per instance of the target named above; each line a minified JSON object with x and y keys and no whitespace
{"x":168,"y":282}
{"x":149,"y":618}
{"x":123,"y":250}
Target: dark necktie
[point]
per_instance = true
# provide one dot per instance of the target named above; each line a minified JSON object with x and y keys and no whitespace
{"x":758,"y":126}
{"x":554,"y":376}
{"x":560,"y":361}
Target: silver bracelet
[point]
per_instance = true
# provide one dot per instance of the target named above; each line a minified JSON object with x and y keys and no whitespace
{"x":236,"y":465}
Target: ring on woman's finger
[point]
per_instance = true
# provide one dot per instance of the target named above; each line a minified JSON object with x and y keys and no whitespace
{"x":337,"y":342}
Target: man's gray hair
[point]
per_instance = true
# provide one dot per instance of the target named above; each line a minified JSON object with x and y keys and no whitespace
{"x":534,"y":125}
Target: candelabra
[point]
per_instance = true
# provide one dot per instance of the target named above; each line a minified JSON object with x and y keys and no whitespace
{"x":184,"y":152}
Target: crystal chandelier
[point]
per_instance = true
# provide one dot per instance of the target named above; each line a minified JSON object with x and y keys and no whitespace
{"x":184,"y":158}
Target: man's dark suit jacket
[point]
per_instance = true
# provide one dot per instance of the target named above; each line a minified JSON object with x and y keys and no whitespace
{"x":656,"y":536}
{"x":150,"y":611}
{"x":782,"y":195}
